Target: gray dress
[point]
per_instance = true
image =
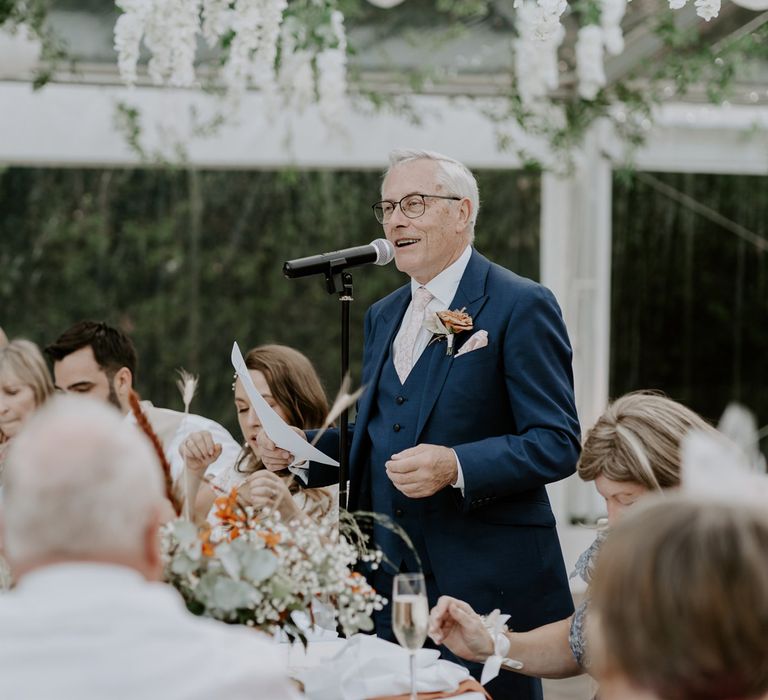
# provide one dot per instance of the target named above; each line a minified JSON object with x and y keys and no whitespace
{"x":585,"y":566}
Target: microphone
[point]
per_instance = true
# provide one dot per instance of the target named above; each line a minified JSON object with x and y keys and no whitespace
{"x":378,"y":252}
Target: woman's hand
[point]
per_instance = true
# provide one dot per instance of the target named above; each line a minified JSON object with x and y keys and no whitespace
{"x":455,"y":624}
{"x":199,"y":452}
{"x":265,"y":490}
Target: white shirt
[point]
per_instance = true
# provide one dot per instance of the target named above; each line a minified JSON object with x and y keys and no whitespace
{"x":85,"y":631}
{"x":173,"y":427}
{"x":443,"y":289}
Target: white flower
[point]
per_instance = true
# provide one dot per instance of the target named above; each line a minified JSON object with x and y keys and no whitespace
{"x":332,"y":73}
{"x":129,"y":29}
{"x":297,"y":79}
{"x":217,"y":20}
{"x":536,"y":68}
{"x":265,"y":570}
{"x":589,"y":61}
{"x":707,"y":9}
{"x":611,"y":14}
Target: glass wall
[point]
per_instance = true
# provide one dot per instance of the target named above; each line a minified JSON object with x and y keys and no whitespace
{"x":689,"y":307}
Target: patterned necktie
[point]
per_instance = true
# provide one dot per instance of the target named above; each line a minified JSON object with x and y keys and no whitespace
{"x":407,"y":339}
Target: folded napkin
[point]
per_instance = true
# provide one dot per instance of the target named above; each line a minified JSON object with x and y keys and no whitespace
{"x":368,"y":667}
{"x":468,"y":686}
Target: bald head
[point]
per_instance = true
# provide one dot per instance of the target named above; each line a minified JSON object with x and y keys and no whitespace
{"x":3,"y":338}
{"x":80,"y":485}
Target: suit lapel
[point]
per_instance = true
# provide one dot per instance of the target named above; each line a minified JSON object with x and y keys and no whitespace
{"x":471,"y":296}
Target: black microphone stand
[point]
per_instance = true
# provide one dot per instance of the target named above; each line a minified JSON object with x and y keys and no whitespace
{"x":339,"y":281}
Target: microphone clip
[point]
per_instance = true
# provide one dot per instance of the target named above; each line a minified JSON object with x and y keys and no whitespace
{"x":338,"y":280}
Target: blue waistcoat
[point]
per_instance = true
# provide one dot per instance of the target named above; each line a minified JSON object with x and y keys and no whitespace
{"x":395,"y":413}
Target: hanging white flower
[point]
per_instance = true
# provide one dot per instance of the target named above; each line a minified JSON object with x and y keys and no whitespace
{"x":217,"y":20}
{"x":129,"y":29}
{"x":589,"y":61}
{"x":611,"y":14}
{"x":536,"y":68}
{"x":312,"y":65}
{"x":331,"y":74}
{"x":546,"y":18}
{"x":707,"y":9}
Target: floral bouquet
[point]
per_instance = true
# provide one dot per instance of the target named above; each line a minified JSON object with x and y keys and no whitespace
{"x":258,"y":571}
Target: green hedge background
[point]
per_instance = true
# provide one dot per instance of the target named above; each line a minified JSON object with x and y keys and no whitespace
{"x":188,"y":261}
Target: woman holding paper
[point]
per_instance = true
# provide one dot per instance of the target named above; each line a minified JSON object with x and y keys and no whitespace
{"x":288,"y":382}
{"x":632,"y":450}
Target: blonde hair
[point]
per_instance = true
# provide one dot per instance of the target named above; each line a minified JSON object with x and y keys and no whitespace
{"x":679,"y":601}
{"x":24,"y":360}
{"x":638,"y":439}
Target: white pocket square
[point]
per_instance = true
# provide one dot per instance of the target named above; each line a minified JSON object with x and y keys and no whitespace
{"x":475,"y":342}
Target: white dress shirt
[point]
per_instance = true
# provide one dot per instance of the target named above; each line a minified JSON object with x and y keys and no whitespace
{"x":443,"y":289}
{"x":173,"y":427}
{"x":85,"y":631}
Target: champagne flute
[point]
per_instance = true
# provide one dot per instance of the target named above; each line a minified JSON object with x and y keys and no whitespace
{"x":410,"y":617}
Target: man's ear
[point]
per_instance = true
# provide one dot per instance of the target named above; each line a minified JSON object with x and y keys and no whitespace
{"x":465,"y":215}
{"x":123,"y":380}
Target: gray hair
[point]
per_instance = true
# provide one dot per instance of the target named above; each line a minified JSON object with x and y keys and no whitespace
{"x":455,"y":177}
{"x":79,"y":483}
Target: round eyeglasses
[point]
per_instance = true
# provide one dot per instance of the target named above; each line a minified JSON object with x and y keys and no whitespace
{"x":412,"y":205}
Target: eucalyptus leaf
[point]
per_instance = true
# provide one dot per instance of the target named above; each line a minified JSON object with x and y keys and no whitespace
{"x":185,"y":532}
{"x":228,"y":556}
{"x":258,"y":565}
{"x":183,"y":564}
{"x":230,"y":595}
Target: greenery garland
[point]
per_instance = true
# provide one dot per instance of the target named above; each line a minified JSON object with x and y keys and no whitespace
{"x":687,"y":59}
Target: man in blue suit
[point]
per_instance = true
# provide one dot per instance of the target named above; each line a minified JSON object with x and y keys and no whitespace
{"x":456,"y":436}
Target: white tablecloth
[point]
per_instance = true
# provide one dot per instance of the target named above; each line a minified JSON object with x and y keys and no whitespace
{"x":301,"y":661}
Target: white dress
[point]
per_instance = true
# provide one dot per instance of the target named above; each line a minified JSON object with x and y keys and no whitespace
{"x":228,"y":479}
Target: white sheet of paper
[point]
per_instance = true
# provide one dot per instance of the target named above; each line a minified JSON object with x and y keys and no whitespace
{"x":275,"y":427}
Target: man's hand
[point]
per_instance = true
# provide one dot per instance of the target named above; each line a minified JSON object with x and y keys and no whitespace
{"x":423,"y":470}
{"x":272,"y":457}
{"x":453,"y":622}
{"x":199,"y":451}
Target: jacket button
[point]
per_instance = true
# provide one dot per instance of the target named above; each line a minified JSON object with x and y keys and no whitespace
{"x":399,"y":512}
{"x":396,"y":427}
{"x":400,"y":400}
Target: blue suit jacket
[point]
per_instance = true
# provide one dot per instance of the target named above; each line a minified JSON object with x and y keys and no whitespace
{"x":508,"y":411}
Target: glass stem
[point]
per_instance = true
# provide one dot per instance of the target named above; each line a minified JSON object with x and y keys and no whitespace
{"x":413,"y":676}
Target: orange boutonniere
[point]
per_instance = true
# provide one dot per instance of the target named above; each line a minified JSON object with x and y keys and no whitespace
{"x":446,"y":324}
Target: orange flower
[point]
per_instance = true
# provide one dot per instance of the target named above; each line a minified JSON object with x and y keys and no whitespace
{"x":456,"y":321}
{"x":271,"y":539}
{"x":228,"y":511}
{"x":205,"y":537}
{"x":358,"y":585}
